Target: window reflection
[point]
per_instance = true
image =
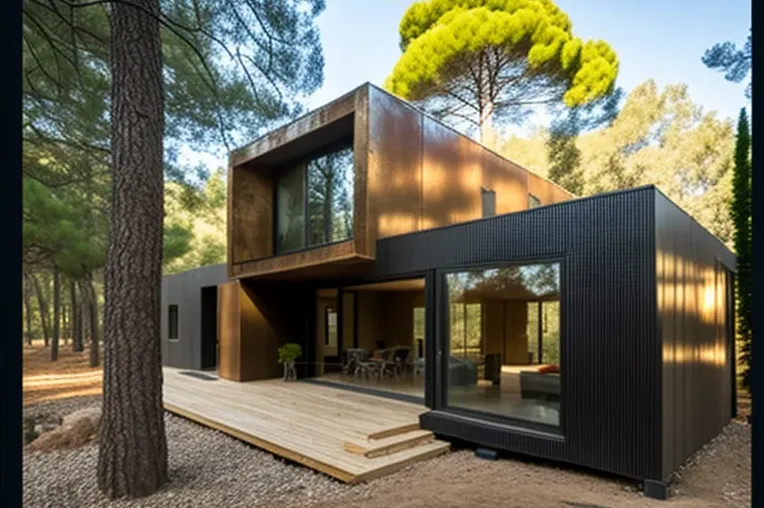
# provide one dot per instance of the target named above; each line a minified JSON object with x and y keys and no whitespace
{"x":504,"y":347}
{"x":290,"y":192}
{"x":314,"y":201}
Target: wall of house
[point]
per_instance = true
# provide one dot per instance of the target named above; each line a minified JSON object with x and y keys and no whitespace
{"x":368,"y":319}
{"x":547,"y":192}
{"x":422,"y":174}
{"x":411,"y":173}
{"x":185,"y":291}
{"x":695,"y":324}
{"x":609,"y":339}
{"x":504,"y":327}
{"x":254,"y":168}
{"x":256,"y":318}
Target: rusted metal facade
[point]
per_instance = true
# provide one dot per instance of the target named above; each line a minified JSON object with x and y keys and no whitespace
{"x":411,"y":173}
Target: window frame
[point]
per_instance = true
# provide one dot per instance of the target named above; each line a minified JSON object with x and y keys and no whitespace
{"x":301,"y":164}
{"x":442,"y":347}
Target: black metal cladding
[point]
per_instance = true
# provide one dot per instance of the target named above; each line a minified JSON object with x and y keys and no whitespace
{"x":185,"y":290}
{"x":610,"y":350}
{"x":698,"y":383}
{"x":625,"y":409}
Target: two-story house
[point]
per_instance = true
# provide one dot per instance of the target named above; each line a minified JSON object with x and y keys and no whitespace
{"x":410,"y":261}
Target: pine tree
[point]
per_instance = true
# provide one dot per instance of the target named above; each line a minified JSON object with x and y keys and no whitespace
{"x":741,"y":217}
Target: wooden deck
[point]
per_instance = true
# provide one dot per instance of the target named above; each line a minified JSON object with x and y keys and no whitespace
{"x":351,"y":436}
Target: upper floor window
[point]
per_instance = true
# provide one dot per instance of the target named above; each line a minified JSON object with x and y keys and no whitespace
{"x":488,"y":198}
{"x":533,"y":201}
{"x":314,"y":201}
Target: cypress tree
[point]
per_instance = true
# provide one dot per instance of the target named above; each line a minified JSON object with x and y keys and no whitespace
{"x":741,"y":217}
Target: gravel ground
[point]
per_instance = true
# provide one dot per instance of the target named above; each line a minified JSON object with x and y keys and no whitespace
{"x":208,"y":468}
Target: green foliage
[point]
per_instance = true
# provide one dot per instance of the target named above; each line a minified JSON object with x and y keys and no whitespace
{"x":471,"y":59}
{"x":741,"y":211}
{"x":658,"y":137}
{"x":564,"y":154}
{"x":735,"y":63}
{"x":195,"y":221}
{"x":288,"y":353}
{"x":176,"y":242}
{"x":231,"y":71}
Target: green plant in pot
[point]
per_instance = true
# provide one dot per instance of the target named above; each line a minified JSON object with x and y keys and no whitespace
{"x":288,"y":353}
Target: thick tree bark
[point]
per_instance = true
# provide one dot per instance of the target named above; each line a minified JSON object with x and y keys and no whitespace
{"x":133,"y":448}
{"x":43,"y":308}
{"x":28,"y":308}
{"x":77,"y":343}
{"x":56,"y":314}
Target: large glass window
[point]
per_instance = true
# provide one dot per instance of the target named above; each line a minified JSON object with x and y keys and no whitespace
{"x":504,"y":341}
{"x":290,"y":204}
{"x":330,"y":197}
{"x":314,"y":201}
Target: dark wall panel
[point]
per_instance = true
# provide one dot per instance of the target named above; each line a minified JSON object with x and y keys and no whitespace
{"x":691,"y":268}
{"x":610,"y":354}
{"x":185,"y":291}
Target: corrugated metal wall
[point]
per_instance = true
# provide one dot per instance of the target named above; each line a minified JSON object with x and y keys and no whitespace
{"x":610,"y":354}
{"x":185,"y":290}
{"x":698,"y":349}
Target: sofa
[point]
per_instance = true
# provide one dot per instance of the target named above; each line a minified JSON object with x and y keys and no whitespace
{"x":535,"y":385}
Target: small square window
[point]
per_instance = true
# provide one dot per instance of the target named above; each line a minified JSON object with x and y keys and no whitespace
{"x":488,"y":197}
{"x":172,"y":322}
{"x":533,"y":201}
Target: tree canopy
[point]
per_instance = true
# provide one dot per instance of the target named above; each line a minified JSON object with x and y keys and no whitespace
{"x":231,"y":70}
{"x":659,"y":137}
{"x":735,"y":63}
{"x":475,"y":60}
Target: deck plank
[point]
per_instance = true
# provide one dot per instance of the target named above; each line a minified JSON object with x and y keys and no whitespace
{"x":307,"y":423}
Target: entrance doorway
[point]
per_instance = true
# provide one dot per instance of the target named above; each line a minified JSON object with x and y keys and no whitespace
{"x":376,"y":339}
{"x":209,"y":331}
{"x":328,"y":343}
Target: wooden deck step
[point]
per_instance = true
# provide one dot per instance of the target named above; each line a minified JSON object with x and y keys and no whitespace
{"x":394,"y":430}
{"x":385,"y":446}
{"x":402,"y":459}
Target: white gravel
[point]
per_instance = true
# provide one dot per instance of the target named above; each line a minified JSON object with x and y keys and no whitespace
{"x":206,"y":468}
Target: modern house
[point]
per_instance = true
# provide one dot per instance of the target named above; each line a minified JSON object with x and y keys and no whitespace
{"x":411,"y":262}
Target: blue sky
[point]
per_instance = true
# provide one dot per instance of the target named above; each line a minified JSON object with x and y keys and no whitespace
{"x":659,"y":39}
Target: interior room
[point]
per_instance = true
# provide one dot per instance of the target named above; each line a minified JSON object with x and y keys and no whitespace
{"x":376,"y":340}
{"x":504,"y":347}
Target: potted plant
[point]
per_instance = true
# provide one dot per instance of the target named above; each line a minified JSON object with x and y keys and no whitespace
{"x":288,"y":353}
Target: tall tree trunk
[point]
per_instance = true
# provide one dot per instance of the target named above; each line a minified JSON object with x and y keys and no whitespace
{"x":28,"y":307}
{"x":93,"y":317}
{"x":43,"y":308}
{"x":132,"y":457}
{"x":84,"y":311}
{"x":64,"y":324}
{"x":56,"y":314}
{"x":75,"y":319}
